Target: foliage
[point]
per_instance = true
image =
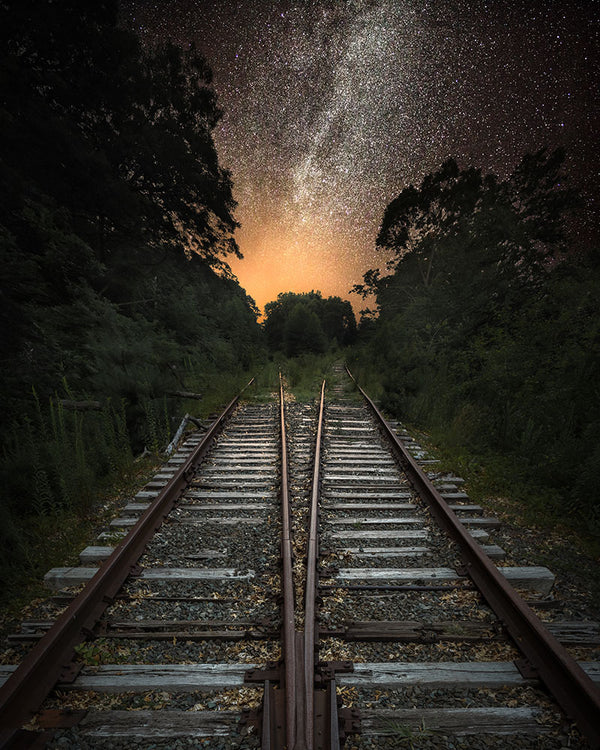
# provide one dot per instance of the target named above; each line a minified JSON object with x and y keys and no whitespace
{"x":407,"y":735}
{"x":117,"y":136}
{"x":101,"y":651}
{"x":298,"y":323}
{"x":487,"y":326}
{"x":115,"y":215}
{"x":116,"y":220}
{"x":50,"y":472}
{"x":303,"y":376}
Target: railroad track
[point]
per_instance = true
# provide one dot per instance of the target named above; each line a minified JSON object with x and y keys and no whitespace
{"x":288,"y":567}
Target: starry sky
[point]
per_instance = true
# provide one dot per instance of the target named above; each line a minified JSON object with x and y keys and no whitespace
{"x":332,"y":107}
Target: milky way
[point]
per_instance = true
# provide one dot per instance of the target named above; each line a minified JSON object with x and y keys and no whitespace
{"x":331,"y":108}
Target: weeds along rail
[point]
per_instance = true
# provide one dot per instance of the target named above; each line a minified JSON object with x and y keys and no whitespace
{"x":297,"y":574}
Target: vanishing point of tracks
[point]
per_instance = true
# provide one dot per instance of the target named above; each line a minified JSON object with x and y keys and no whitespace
{"x":300,"y":577}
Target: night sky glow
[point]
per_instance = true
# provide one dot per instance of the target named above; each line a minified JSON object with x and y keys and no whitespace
{"x":331,"y":108}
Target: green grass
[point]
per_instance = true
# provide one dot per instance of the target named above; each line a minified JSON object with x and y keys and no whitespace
{"x":367,"y":376}
{"x":303,"y":375}
{"x":492,"y":475}
{"x":217,"y":390}
{"x":57,"y":539}
{"x":501,"y":484}
{"x":407,"y":736}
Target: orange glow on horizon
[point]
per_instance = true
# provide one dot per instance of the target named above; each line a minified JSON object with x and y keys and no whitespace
{"x":276,"y":262}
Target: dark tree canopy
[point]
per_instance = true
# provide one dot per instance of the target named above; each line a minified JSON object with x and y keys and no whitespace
{"x":119,"y":137}
{"x":297,"y":323}
{"x":515,"y":227}
{"x":486,"y":327}
{"x":115,"y":213}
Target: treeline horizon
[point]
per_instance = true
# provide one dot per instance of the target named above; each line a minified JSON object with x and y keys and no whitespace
{"x":487,"y":331}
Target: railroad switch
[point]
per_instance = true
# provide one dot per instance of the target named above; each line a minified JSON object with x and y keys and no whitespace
{"x":350,"y":722}
{"x":271,"y":673}
{"x":270,"y":718}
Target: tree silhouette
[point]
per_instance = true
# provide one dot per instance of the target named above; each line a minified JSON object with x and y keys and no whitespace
{"x":296,"y":323}
{"x":486,"y":327}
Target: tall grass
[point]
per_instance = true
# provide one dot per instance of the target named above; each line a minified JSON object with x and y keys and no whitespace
{"x":157,"y":423}
{"x":52,"y":468}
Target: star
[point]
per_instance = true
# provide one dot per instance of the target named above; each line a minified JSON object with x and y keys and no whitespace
{"x":332,"y":108}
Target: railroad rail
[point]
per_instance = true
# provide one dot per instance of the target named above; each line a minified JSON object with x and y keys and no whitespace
{"x":543,"y":655}
{"x":323,"y":529}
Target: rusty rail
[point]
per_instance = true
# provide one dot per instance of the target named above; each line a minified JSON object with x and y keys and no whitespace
{"x":310,"y":594}
{"x":50,"y":660}
{"x":573,"y":690}
{"x":288,"y":627}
